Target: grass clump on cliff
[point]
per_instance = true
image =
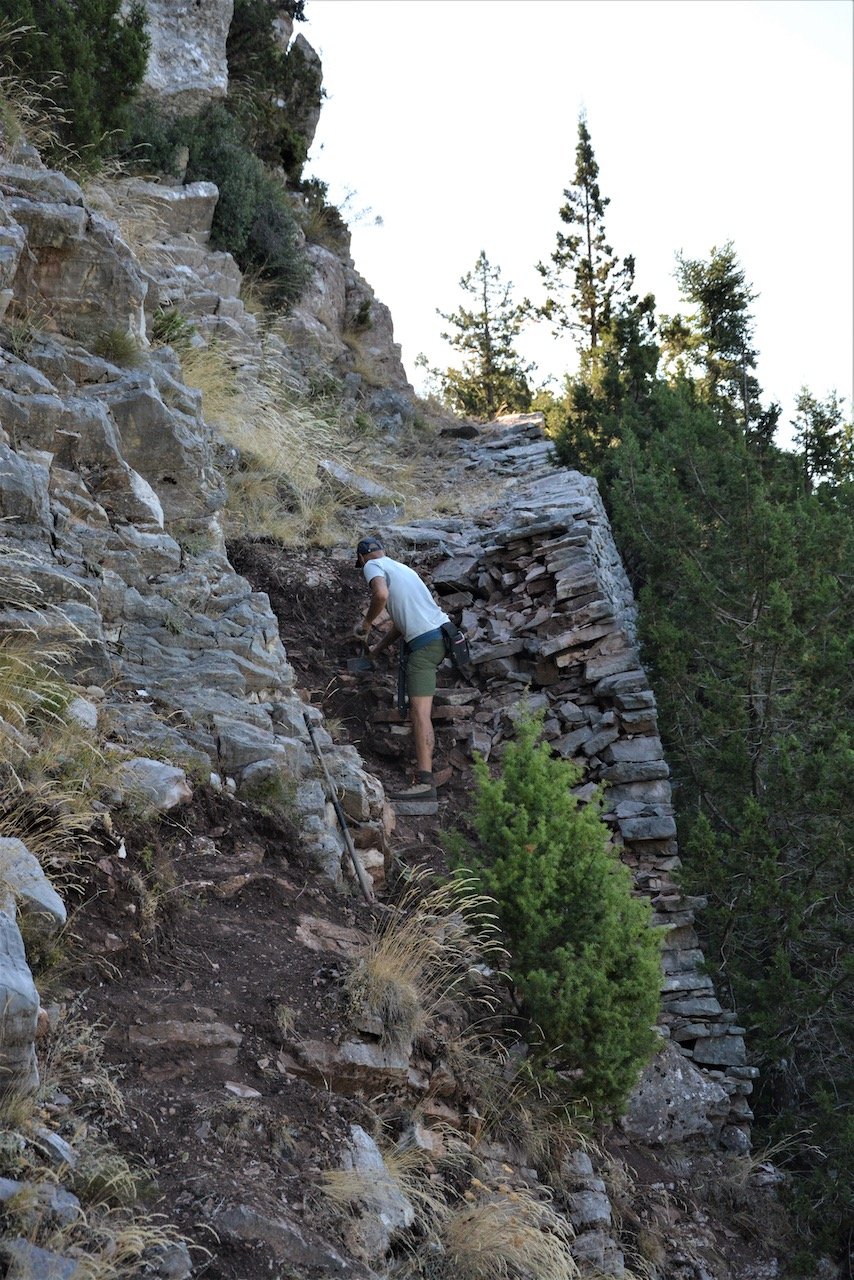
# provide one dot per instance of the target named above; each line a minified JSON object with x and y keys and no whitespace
{"x":276,"y":488}
{"x":584,"y":957}
{"x":465,"y":1227}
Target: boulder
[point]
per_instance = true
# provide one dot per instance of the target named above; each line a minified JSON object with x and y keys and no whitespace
{"x":294,"y":1248}
{"x":25,"y":1261}
{"x":52,"y":1200}
{"x":187,"y":64}
{"x":352,"y":1066}
{"x":79,"y":272}
{"x":674,"y":1101}
{"x":177,"y":210}
{"x":24,"y":884}
{"x":153,"y":784}
{"x":39,"y":184}
{"x":19,"y":1008}
{"x":359,"y":491}
{"x":385,"y":1209}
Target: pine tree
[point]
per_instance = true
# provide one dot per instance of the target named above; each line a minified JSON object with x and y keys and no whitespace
{"x":585,"y":958}
{"x":494,"y":378}
{"x":717,"y":339}
{"x":745,"y":603}
{"x":584,"y":253}
{"x":614,"y":327}
{"x":823,"y":438}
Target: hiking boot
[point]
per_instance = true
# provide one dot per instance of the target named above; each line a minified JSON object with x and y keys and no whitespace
{"x":420,"y":798}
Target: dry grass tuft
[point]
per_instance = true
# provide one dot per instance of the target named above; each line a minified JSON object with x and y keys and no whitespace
{"x":538,"y":1128}
{"x":276,"y":490}
{"x":103,"y":1177}
{"x":30,"y":686}
{"x":422,"y":954}
{"x":464,"y":1229}
{"x":71,"y":1061}
{"x":503,"y":1234}
{"x":27,"y":113}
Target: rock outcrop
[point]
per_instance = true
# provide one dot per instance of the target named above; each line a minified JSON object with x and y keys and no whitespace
{"x":110,"y":495}
{"x":187,"y":65}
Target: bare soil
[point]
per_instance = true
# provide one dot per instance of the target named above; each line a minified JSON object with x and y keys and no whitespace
{"x":195,"y":926}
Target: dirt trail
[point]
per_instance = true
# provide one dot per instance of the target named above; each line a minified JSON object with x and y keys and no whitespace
{"x":317,"y":599}
{"x":195,"y":964}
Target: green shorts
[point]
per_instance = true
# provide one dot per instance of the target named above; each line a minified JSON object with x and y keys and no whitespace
{"x":421,"y":669}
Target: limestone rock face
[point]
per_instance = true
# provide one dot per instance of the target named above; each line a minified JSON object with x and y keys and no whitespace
{"x":187,"y":65}
{"x":306,"y":76}
{"x":19,"y":1009}
{"x":339,"y":321}
{"x":23,"y":882}
{"x":78,"y":276}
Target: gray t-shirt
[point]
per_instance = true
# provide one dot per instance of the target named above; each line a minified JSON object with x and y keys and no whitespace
{"x":410,"y":604}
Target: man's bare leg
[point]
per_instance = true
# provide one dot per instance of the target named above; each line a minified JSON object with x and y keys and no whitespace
{"x":420,"y":715}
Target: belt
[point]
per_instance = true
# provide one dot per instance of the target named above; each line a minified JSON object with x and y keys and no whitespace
{"x":419,"y":642}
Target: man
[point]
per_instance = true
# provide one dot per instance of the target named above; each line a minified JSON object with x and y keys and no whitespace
{"x":416,"y":621}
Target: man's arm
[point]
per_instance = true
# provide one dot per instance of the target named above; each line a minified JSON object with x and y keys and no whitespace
{"x":389,"y":638}
{"x":379,"y":598}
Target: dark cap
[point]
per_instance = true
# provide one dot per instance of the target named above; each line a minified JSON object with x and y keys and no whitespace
{"x":366,"y":546}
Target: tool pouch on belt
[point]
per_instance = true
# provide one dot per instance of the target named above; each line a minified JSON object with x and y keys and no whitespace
{"x":457,"y":648}
{"x":402,"y":699}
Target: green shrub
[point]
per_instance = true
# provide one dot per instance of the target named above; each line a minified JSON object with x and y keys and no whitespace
{"x":170,"y":328}
{"x":118,"y":347}
{"x":152,"y":139}
{"x":99,"y":56}
{"x":274,"y":245}
{"x":253,"y":219}
{"x":275,"y":91}
{"x":585,"y":959}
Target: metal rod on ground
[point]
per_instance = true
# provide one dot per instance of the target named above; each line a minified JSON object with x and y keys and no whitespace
{"x":364,"y":883}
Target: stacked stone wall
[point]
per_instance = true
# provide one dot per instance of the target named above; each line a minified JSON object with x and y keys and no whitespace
{"x":542,"y":593}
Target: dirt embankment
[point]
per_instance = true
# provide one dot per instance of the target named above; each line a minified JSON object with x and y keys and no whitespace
{"x":195,"y":962}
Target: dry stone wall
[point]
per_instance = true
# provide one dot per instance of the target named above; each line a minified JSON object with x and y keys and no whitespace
{"x":539,"y":588}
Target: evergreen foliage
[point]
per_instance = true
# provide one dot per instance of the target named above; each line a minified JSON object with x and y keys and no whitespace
{"x":583,"y":253}
{"x":494,"y":378}
{"x":585,"y":958}
{"x":746,"y":620}
{"x":253,"y":219}
{"x":824,"y":439}
{"x":716,"y":341}
{"x":615,"y":329}
{"x":740,"y":555}
{"x":99,"y":56}
{"x":271,"y":87}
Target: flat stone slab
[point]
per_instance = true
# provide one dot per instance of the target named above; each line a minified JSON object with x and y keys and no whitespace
{"x":415,"y":808}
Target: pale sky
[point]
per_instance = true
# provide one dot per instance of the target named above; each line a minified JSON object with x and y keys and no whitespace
{"x":711,"y":120}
